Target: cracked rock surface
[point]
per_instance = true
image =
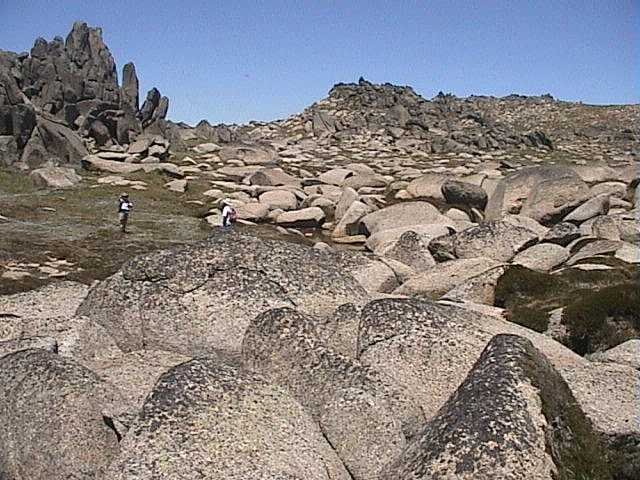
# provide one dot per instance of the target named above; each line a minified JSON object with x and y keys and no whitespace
{"x":200,"y":298}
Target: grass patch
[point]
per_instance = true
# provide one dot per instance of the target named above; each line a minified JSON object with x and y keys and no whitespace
{"x":15,"y":182}
{"x":81,"y":225}
{"x":97,"y":204}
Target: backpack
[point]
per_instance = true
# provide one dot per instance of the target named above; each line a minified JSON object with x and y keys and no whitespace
{"x":233,"y":215}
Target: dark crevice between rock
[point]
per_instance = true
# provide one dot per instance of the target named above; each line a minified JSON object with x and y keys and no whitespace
{"x":337,"y":455}
{"x":149,"y":278}
{"x":395,"y":274}
{"x":529,"y":244}
{"x":143,"y":336}
{"x":108,"y":421}
{"x":362,"y":350}
{"x":265,"y":276}
{"x":188,"y":290}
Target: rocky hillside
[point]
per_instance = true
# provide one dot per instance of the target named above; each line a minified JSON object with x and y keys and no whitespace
{"x":396,"y":117}
{"x":414,"y":289}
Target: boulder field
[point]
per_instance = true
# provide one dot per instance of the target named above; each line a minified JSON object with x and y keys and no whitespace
{"x":436,"y":290}
{"x":239,"y":357}
{"x":479,"y":324}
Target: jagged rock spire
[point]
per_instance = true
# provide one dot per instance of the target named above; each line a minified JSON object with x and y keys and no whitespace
{"x":129,"y":96}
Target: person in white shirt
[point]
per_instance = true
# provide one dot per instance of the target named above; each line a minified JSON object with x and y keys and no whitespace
{"x":125,"y":206}
{"x":228,"y":213}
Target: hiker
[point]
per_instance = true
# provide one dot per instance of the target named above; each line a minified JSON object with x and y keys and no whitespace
{"x":125,"y":207}
{"x":229,"y":214}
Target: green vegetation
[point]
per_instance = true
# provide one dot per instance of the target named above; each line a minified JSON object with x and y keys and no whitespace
{"x":624,"y":458}
{"x":576,"y":449}
{"x":602,"y":307}
{"x":603,"y":319}
{"x":534,"y":319}
{"x":14,"y":182}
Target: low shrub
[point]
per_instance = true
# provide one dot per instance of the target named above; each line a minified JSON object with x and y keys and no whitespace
{"x":601,"y":307}
{"x":519,"y":286}
{"x":603,"y":319}
{"x":534,"y":319}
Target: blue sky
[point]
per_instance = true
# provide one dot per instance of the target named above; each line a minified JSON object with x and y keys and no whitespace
{"x":235,"y":61}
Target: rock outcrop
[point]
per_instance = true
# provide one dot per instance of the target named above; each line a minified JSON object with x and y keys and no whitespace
{"x":358,"y":409}
{"x":442,"y":124}
{"x":55,"y":177}
{"x":428,"y":349}
{"x":208,"y":420}
{"x":545,"y":194}
{"x":55,"y":417}
{"x":69,"y":90}
{"x":513,"y":417}
{"x":129,"y":94}
{"x":212,"y":291}
{"x":498,"y":240}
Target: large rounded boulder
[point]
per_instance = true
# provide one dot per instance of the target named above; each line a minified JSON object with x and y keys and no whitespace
{"x":428,"y":186}
{"x":200,"y":298}
{"x":429,"y":347}
{"x":207,"y":420}
{"x":445,"y":276}
{"x":402,"y":215}
{"x":285,"y":346}
{"x":496,"y":239}
{"x":544,"y":193}
{"x":513,"y":417}
{"x":55,"y":419}
{"x":463,"y":193}
{"x":359,"y":409}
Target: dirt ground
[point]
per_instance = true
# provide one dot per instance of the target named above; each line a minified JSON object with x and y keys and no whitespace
{"x":74,"y":234}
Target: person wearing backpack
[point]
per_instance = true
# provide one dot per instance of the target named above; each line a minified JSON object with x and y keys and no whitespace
{"x":125,"y":206}
{"x":229,"y":213}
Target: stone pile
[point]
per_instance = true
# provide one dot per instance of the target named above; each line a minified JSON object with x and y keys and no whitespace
{"x":397,"y":117}
{"x":444,"y":124}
